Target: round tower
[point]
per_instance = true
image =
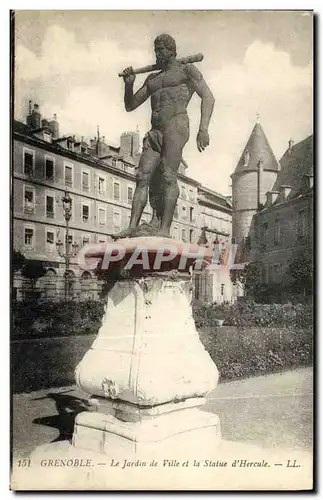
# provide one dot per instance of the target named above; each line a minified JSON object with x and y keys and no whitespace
{"x":254,"y":176}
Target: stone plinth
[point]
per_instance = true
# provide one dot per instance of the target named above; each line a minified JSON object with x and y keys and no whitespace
{"x":147,"y":371}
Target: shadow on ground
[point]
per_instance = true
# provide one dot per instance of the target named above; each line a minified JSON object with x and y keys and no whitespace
{"x":46,"y":363}
{"x":67,"y":407}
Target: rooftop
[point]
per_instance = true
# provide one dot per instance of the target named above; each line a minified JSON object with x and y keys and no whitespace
{"x":295,"y":163}
{"x":257,"y":148}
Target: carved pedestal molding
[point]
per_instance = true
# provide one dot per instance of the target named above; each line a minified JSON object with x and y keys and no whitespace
{"x":147,"y":372}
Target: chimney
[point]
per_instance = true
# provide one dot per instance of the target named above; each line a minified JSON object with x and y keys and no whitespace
{"x":34,"y":118}
{"x":135,"y":143}
{"x":126,"y":144}
{"x":54,"y":126}
{"x":290,"y":146}
{"x":45,"y":123}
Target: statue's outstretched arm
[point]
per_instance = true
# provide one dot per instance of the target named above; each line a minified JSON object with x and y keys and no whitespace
{"x":207,"y":104}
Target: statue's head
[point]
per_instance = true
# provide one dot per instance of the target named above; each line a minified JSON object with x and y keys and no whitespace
{"x":165,"y":49}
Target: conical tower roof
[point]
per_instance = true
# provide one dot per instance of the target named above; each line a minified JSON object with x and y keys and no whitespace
{"x":257,"y":148}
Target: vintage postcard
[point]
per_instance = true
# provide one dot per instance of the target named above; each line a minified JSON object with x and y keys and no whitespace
{"x":162,"y":250}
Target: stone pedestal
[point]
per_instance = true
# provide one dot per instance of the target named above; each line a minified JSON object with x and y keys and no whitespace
{"x":147,"y":371}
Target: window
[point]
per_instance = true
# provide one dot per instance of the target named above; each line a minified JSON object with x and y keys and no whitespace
{"x":86,"y":239}
{"x":183,"y":192}
{"x":222,"y":289}
{"x":191,"y":235}
{"x":191,"y":214}
{"x":28,"y":162}
{"x":191,"y":194}
{"x":116,"y":220}
{"x":50,"y":206}
{"x":102,"y":239}
{"x":277,"y":232}
{"x":265,"y":234}
{"x":175,"y":233}
{"x":301,"y":224}
{"x":276,"y":273}
{"x":101,"y":216}
{"x":184,"y":212}
{"x":68,"y":174}
{"x":49,"y":169}
{"x":50,"y":240}
{"x":85,"y":181}
{"x":130,"y":194}
{"x":116,"y":191}
{"x":85,"y":213}
{"x":29,"y":237}
{"x":29,"y":200}
{"x":184,"y":235}
{"x":101,"y":185}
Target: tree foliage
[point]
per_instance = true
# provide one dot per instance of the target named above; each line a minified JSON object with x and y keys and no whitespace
{"x":248,"y":278}
{"x":300,"y":273}
{"x":17,"y":260}
{"x":33,"y":270}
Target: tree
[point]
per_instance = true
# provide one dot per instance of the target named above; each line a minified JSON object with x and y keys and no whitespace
{"x":18,"y":260}
{"x":33,"y":270}
{"x":300,"y":273}
{"x":249,"y":278}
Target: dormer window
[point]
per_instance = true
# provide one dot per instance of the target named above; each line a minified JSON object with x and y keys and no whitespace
{"x":246,"y":158}
{"x":284,"y":192}
{"x":47,"y":136}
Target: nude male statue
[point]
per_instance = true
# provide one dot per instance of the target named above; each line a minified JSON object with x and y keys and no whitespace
{"x":170,"y":91}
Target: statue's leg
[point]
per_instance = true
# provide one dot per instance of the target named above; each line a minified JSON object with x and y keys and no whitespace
{"x":156,"y":197}
{"x":148,"y":162}
{"x":175,"y":137}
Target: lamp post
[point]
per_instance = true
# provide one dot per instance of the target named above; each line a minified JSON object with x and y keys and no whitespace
{"x":67,"y":207}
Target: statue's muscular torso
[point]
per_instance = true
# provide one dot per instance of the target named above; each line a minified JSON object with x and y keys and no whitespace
{"x":170,"y":91}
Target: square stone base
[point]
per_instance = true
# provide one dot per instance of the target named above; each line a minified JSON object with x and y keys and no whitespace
{"x":187,"y":430}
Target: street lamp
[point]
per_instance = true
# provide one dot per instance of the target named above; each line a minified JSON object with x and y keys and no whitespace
{"x":70,"y":249}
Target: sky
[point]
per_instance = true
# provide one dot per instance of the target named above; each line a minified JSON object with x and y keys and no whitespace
{"x":255,"y":62}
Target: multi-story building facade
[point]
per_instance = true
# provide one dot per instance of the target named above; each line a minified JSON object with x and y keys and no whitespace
{"x":273,"y":205}
{"x":100,"y":180}
{"x":283,"y":227}
{"x":214,"y":283}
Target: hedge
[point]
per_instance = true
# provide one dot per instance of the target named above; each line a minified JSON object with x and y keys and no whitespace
{"x":245,"y":352}
{"x":249,"y":314}
{"x":39,"y":319}
{"x":237,"y":352}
